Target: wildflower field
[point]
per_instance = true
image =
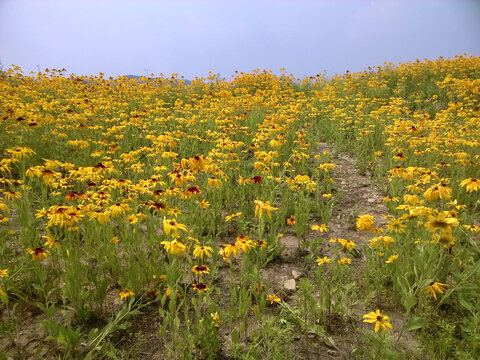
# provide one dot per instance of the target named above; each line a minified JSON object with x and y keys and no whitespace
{"x":262,"y":217}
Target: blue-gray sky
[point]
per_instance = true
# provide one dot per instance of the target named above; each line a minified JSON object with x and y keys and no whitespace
{"x":192,"y":37}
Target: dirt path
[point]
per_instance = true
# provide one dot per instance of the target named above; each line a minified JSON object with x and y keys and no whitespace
{"x":356,"y":195}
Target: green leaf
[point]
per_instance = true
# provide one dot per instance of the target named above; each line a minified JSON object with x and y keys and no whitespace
{"x":235,"y":336}
{"x":415,"y":323}
{"x":410,"y":302}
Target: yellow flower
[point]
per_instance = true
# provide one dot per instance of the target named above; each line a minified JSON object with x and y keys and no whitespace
{"x":327,"y":166}
{"x":472,"y":184}
{"x":291,"y":220}
{"x":391,"y":259}
{"x":345,"y":261}
{"x":396,"y":226}
{"x":214,"y":182}
{"x":390,"y":199}
{"x":261,"y":206}
{"x":324,"y":260}
{"x":201,"y":269}
{"x":456,"y":205}
{"x":11,"y":195}
{"x":443,"y":221}
{"x":215,"y":319}
{"x":117,"y":209}
{"x":435,"y":287}
{"x":273,"y":299}
{"x":364,"y":222}
{"x":126,"y":293}
{"x":3,"y":273}
{"x":132,"y":219}
{"x":262,"y":243}
{"x":172,"y":226}
{"x":244,"y":243}
{"x":38,"y":253}
{"x":275,"y":143}
{"x":472,"y":228}
{"x":347,"y":245}
{"x":302,"y":179}
{"x":197,"y":163}
{"x":200,"y":287}
{"x":229,"y":249}
{"x":435,"y":192}
{"x":201,"y":251}
{"x":233,"y":216}
{"x":174,"y":247}
{"x":381,"y":321}
{"x":114,"y":240}
{"x":50,"y":242}
{"x":204,"y":204}
{"x":319,"y":228}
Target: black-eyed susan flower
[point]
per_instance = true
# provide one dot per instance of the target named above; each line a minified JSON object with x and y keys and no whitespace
{"x":261,"y":206}
{"x":327,"y":166}
{"x":345,"y":261}
{"x":319,"y":228}
{"x":3,"y":273}
{"x":151,"y":293}
{"x":291,"y":220}
{"x":214,"y":182}
{"x":443,"y":221}
{"x":232,"y":216}
{"x":324,"y":260}
{"x":434,"y":288}
{"x":364,"y":222}
{"x":197,"y":163}
{"x":114,"y":240}
{"x":204,"y":204}
{"x":12,"y":195}
{"x":381,"y":321}
{"x":174,"y":247}
{"x":50,"y":242}
{"x":472,"y":228}
{"x":38,"y":253}
{"x":172,"y":226}
{"x":228,"y":249}
{"x":101,"y":216}
{"x":215,"y":319}
{"x":273,"y":299}
{"x":471,"y":184}
{"x":244,"y":243}
{"x":201,"y":251}
{"x":117,"y":209}
{"x":126,"y":293}
{"x":157,"y":207}
{"x":396,"y":225}
{"x":200,"y":287}
{"x":201,"y":269}
{"x":262,"y":244}
{"x":391,"y":259}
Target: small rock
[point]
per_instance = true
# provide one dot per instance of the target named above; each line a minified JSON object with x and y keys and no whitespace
{"x":290,"y":284}
{"x":296,"y":274}
{"x":371,"y":200}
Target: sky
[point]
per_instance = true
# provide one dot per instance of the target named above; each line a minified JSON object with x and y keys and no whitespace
{"x":191,"y":38}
